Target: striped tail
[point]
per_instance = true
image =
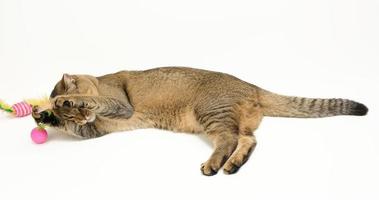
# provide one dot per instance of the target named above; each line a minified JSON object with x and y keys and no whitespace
{"x":275,"y":105}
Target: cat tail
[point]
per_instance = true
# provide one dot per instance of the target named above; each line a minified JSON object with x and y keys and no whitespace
{"x":275,"y":105}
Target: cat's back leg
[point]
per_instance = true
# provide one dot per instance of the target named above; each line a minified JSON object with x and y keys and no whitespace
{"x":220,"y":125}
{"x":228,"y":123}
{"x":250,"y":116}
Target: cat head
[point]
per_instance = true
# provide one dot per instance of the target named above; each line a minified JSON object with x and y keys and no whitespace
{"x":75,"y":84}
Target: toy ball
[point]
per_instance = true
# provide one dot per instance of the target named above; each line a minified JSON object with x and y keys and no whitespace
{"x":39,"y":135}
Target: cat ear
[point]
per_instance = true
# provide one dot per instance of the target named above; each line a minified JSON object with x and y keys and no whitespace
{"x":68,"y":81}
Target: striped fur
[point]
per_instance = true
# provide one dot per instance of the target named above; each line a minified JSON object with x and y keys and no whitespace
{"x":275,"y":105}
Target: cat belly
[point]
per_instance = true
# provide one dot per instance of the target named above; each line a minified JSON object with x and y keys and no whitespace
{"x":134,"y":122}
{"x":188,"y":123}
{"x":183,"y":122}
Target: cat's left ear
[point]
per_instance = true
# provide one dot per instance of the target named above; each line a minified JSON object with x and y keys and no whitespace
{"x":69,"y":81}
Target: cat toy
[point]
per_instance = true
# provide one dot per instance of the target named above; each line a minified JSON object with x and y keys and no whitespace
{"x":25,"y":108}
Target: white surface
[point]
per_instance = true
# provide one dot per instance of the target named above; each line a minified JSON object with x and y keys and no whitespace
{"x":325,"y":48}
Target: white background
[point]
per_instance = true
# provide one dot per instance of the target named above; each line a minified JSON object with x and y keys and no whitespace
{"x":324,"y":48}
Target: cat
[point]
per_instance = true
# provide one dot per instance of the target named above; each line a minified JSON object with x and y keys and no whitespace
{"x":226,"y":109}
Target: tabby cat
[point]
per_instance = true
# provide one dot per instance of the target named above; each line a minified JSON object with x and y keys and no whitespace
{"x":226,"y":109}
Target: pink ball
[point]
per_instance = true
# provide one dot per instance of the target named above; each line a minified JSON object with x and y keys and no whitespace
{"x":39,"y":135}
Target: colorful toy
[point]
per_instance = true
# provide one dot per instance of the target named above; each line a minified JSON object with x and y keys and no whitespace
{"x":39,"y":135}
{"x":25,"y":108}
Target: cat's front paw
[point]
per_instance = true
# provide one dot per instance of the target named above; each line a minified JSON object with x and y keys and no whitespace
{"x":64,"y":102}
{"x":74,"y":109}
{"x":67,"y":102}
{"x":36,"y":114}
{"x":44,"y":116}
